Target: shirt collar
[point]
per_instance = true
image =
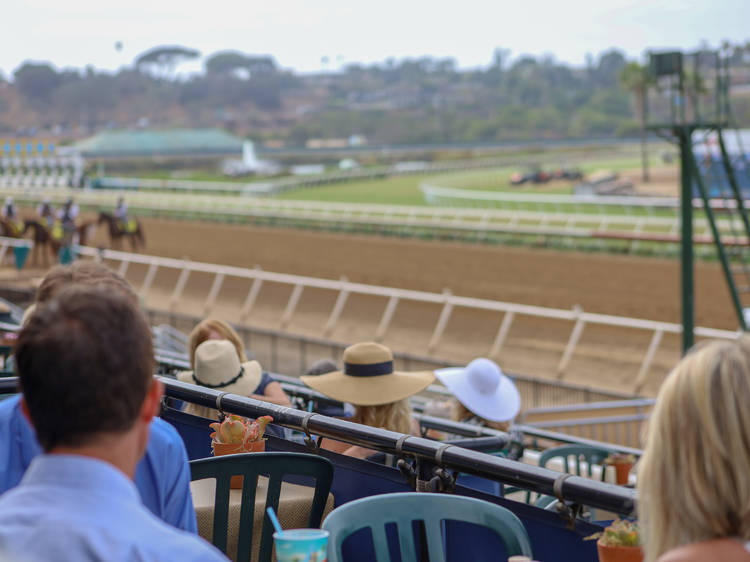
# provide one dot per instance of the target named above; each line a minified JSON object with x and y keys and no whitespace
{"x":88,"y":474}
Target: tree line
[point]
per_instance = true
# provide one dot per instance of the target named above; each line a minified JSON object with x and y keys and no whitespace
{"x":420,"y":100}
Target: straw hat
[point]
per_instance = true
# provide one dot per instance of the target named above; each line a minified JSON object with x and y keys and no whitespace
{"x":368,"y":378}
{"x":218,"y":366}
{"x":483,"y":388}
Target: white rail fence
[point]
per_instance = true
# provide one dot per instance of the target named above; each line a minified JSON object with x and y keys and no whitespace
{"x":392,"y":297}
{"x":438,"y":195}
{"x":516,"y":221}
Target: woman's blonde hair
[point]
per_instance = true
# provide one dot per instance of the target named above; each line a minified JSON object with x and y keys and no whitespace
{"x":693,"y":480}
{"x":395,"y":416}
{"x":461,"y":413}
{"x":202,"y":332}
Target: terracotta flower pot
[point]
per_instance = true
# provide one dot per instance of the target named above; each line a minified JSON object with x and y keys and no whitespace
{"x":622,"y":472}
{"x":619,"y":553}
{"x":221,"y":449}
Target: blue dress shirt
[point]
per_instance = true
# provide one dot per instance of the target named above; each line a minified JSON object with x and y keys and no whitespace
{"x":162,"y":477}
{"x":70,"y":507}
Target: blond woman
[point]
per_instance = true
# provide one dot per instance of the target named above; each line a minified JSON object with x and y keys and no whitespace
{"x":378,"y":392}
{"x":694,"y":478}
{"x":267,"y":388}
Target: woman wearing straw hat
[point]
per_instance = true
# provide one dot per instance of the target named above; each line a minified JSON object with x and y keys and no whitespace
{"x":267,"y":389}
{"x":484,"y":395}
{"x":218,"y":366}
{"x":378,"y":392}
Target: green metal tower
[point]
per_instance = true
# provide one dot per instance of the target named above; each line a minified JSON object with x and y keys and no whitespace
{"x":687,"y":101}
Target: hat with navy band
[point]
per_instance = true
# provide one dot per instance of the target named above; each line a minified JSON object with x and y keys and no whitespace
{"x":368,"y":378}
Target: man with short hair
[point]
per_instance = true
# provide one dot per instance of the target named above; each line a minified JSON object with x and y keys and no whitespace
{"x":163,"y":475}
{"x":77,"y":501}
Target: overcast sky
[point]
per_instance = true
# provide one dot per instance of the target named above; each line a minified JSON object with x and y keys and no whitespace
{"x":298,"y":33}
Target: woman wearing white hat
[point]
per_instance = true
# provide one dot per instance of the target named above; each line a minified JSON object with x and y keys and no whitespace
{"x":218,"y":366}
{"x":484,"y":395}
{"x":378,"y":392}
{"x":268,"y":389}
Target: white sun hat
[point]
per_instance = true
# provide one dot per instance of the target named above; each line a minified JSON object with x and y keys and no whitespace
{"x":483,"y":388}
{"x":218,"y":366}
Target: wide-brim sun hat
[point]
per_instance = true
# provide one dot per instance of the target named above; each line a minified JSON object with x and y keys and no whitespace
{"x":368,"y":378}
{"x":218,"y":366}
{"x":483,"y":388}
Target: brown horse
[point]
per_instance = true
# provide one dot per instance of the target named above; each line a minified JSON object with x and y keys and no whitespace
{"x":11,"y":229}
{"x":84,"y":231}
{"x":116,"y":232}
{"x":44,"y":242}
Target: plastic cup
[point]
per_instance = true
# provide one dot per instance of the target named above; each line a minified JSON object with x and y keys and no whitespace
{"x":301,"y":545}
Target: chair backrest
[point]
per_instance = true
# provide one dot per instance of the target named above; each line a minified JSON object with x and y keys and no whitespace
{"x":591,"y":455}
{"x":277,"y":467}
{"x":402,"y":509}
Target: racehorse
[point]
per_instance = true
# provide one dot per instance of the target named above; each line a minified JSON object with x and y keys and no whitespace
{"x":11,"y":229}
{"x":43,"y":240}
{"x":55,"y":238}
{"x":84,"y":231}
{"x":117,"y":232}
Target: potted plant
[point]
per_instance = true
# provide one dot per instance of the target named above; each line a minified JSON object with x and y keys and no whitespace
{"x":620,"y":542}
{"x":236,"y":434}
{"x":623,"y":464}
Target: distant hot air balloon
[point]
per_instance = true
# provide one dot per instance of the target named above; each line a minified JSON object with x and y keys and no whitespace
{"x":118,"y":45}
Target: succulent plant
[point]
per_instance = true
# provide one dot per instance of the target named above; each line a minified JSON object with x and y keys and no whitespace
{"x":239,"y":431}
{"x":620,"y":533}
{"x":620,"y":458}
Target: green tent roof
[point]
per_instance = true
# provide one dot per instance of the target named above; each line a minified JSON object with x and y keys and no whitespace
{"x":172,"y":142}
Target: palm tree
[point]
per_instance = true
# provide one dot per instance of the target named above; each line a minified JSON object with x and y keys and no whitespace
{"x":636,"y":78}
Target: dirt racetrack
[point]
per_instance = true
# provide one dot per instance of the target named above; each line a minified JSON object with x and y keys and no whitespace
{"x":619,"y":285}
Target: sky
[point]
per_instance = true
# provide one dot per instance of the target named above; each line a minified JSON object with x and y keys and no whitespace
{"x":299,"y":33}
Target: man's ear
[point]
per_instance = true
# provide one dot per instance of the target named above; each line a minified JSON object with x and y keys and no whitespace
{"x":152,"y":402}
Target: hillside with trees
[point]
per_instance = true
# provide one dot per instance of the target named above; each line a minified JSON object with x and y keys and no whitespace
{"x":425,"y":100}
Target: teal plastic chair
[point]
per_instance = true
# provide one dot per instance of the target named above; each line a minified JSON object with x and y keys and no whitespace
{"x":276,"y":466}
{"x":591,"y":455}
{"x":376,"y":512}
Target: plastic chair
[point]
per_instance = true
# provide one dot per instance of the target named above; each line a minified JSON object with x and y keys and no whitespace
{"x":276,"y":466}
{"x":402,"y":509}
{"x":591,"y":455}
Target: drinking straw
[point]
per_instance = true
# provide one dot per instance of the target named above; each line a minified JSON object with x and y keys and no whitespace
{"x":274,"y":520}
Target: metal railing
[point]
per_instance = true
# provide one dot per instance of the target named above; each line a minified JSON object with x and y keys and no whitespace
{"x":541,"y":480}
{"x":573,"y":488}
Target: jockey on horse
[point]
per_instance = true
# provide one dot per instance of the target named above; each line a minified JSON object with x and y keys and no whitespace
{"x":46,"y":212}
{"x":121,"y":214}
{"x":10,"y":214}
{"x":67,"y":216}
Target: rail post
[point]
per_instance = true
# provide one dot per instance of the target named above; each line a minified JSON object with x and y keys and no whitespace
{"x":338,"y":307}
{"x":575,"y":335}
{"x":213,"y":293}
{"x":252,"y":295}
{"x":502,"y":333}
{"x":150,"y":274}
{"x":180,"y":285}
{"x":385,"y":321}
{"x":286,"y":318}
{"x":123,"y":267}
{"x":648,"y":358}
{"x":442,"y":322}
